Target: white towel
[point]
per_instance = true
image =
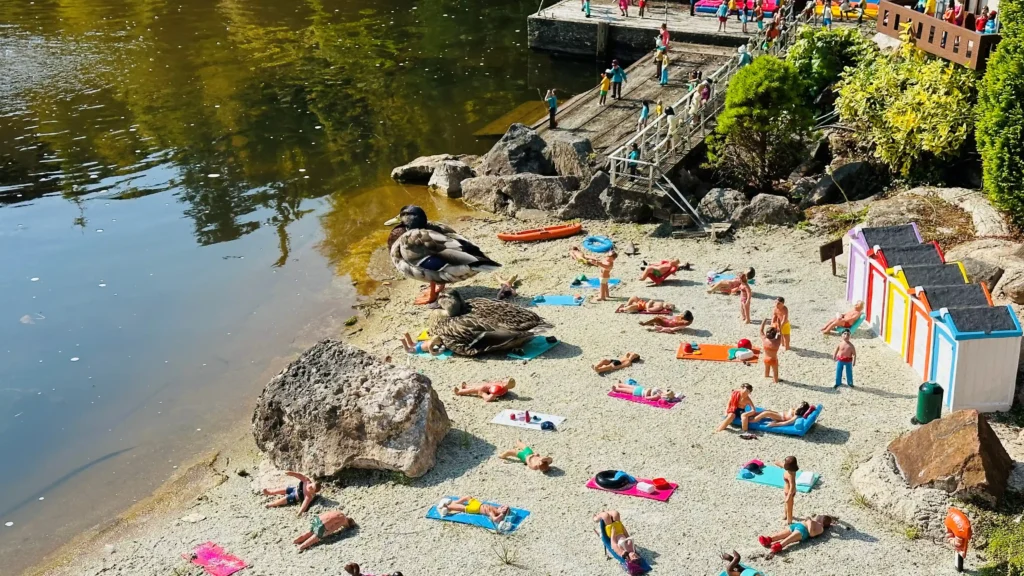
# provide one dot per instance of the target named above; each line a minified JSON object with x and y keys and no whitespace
{"x":805,"y":479}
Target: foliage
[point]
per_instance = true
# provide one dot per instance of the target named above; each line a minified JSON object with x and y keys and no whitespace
{"x":915,"y":109}
{"x":820,"y":55}
{"x":1001,"y":115}
{"x":763,"y":127}
{"x":1000,"y":533}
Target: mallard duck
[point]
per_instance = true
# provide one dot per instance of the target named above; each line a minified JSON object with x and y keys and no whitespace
{"x":471,"y":335}
{"x":433,"y":252}
{"x":495,"y":312}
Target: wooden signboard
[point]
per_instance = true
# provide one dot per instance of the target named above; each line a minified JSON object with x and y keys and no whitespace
{"x":830,"y":251}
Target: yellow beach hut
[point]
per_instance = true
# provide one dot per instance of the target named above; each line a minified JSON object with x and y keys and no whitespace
{"x":902,"y":280}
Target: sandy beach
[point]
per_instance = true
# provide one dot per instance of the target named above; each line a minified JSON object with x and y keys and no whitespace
{"x":712,"y":512}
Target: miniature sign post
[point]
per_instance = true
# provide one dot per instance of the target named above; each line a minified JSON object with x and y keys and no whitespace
{"x":830,"y":251}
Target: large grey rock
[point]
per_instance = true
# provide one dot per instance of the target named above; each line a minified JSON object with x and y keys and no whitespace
{"x":767,"y":209}
{"x":997,"y":260}
{"x":880,"y":483}
{"x":815,"y":163}
{"x":857,"y":180}
{"x":448,"y":176}
{"x":980,"y":271}
{"x":420,"y":170}
{"x":519,"y":150}
{"x":337,"y":407}
{"x":570,"y":154}
{"x":987,"y":221}
{"x":1012,"y":286}
{"x":507,"y":194}
{"x":719,"y":204}
{"x":586,"y":203}
{"x":624,"y":206}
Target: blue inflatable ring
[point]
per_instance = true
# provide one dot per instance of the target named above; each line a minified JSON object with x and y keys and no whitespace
{"x":598,"y":244}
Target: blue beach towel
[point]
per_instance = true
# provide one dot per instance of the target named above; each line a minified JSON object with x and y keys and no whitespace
{"x":611,"y":551}
{"x":853,"y":328}
{"x":594,"y":283}
{"x":798,"y":428}
{"x":442,"y":356}
{"x":772,"y":476}
{"x":516,"y":517}
{"x":720,"y":277}
{"x":557,"y":300}
{"x":534,"y":348}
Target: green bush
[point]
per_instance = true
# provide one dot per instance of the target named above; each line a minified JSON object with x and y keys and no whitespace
{"x":1000,"y":132}
{"x":820,"y":55}
{"x":914,"y":108}
{"x":1005,"y":550}
{"x":764,"y":126}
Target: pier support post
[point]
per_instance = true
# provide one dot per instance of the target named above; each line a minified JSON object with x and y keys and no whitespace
{"x":602,"y":39}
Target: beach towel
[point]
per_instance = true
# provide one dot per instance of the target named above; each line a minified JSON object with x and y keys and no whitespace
{"x":659,"y":403}
{"x":593,"y":283}
{"x":505,"y":419}
{"x":659,"y":495}
{"x":215,"y":560}
{"x":611,"y":551}
{"x":772,"y":476}
{"x":423,"y":337}
{"x":713,"y":353}
{"x":743,"y":566}
{"x":798,"y":428}
{"x":853,"y":327}
{"x":534,"y":348}
{"x":515,"y":518}
{"x":715,"y":279}
{"x":557,"y":300}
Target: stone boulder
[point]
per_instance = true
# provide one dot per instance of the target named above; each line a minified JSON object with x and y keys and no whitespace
{"x":719,"y":204}
{"x":767,"y":209}
{"x":1012,"y":286}
{"x":519,"y":150}
{"x":880,"y":483}
{"x":507,"y":194}
{"x":959,"y":454}
{"x":570,"y":154}
{"x":448,"y":176}
{"x":586,"y":202}
{"x":625,"y":206}
{"x":987,"y":221}
{"x":421,"y":169}
{"x":815,"y":163}
{"x":993,"y":259}
{"x":979,"y":271}
{"x":857,"y":180}
{"x":337,"y":407}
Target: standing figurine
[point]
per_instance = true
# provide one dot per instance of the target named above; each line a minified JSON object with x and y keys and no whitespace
{"x":780,"y":319}
{"x":746,"y":295}
{"x":552,"y":101}
{"x":605,"y":264}
{"x":606,"y":84}
{"x":845,"y":356}
{"x":770,"y":341}
{"x":790,"y":468}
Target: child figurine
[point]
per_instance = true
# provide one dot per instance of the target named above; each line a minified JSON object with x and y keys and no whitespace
{"x":745,"y":296}
{"x":525,"y":454}
{"x":606,"y":264}
{"x":489,"y":391}
{"x":434,"y":346}
{"x":654,"y":394}
{"x":790,"y":468}
{"x":780,"y":319}
{"x":606,"y":365}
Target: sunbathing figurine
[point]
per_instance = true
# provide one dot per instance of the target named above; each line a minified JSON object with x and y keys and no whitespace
{"x":637,"y":305}
{"x":845,"y":320}
{"x":303,"y":494}
{"x":488,"y":391}
{"x":621,"y":542}
{"x":657,"y":272}
{"x":806,"y":529}
{"x":524,"y":454}
{"x":732,"y":286}
{"x":669,"y":324}
{"x":434,"y":346}
{"x":653,"y":394}
{"x":470,"y":505}
{"x":733,"y":567}
{"x":322,"y":526}
{"x":605,"y":365}
{"x":785,"y":418}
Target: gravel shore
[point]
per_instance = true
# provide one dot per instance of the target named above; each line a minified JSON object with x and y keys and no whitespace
{"x":712,"y":512}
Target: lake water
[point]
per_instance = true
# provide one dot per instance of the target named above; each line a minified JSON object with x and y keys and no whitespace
{"x":189,"y":191}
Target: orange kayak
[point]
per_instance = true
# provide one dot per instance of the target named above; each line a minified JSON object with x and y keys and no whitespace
{"x":538,"y":234}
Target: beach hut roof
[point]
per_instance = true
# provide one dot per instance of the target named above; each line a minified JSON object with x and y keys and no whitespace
{"x":955,"y":296}
{"x":916,"y":255}
{"x":902,"y":235}
{"x":943,"y":275}
{"x":984,"y":319}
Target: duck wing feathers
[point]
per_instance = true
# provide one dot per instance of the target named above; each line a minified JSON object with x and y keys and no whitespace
{"x":505,"y":314}
{"x":470,"y":336}
{"x":435,"y":251}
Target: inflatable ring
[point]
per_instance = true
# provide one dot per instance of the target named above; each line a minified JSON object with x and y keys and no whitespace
{"x":598,"y":244}
{"x":613,"y":479}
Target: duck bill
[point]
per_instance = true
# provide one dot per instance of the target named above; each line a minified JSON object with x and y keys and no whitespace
{"x":394,"y":221}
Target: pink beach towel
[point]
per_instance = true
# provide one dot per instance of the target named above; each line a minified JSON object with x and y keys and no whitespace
{"x":215,"y":560}
{"x":659,"y":495}
{"x":660,"y":403}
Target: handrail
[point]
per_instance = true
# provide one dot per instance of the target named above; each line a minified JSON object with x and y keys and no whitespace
{"x":662,"y":138}
{"x":936,"y":36}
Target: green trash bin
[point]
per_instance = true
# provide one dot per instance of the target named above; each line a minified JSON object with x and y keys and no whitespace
{"x":929,"y":403}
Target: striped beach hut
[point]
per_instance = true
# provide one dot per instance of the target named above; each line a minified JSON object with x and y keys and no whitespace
{"x":902,"y":279}
{"x":928,"y":299}
{"x":974,"y":356}
{"x":865,"y":276}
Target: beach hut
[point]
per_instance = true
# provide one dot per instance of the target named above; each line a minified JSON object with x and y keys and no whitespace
{"x":924,"y":254}
{"x":866,"y":277}
{"x":974,"y":356}
{"x":928,"y":299}
{"x":898,"y":290}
